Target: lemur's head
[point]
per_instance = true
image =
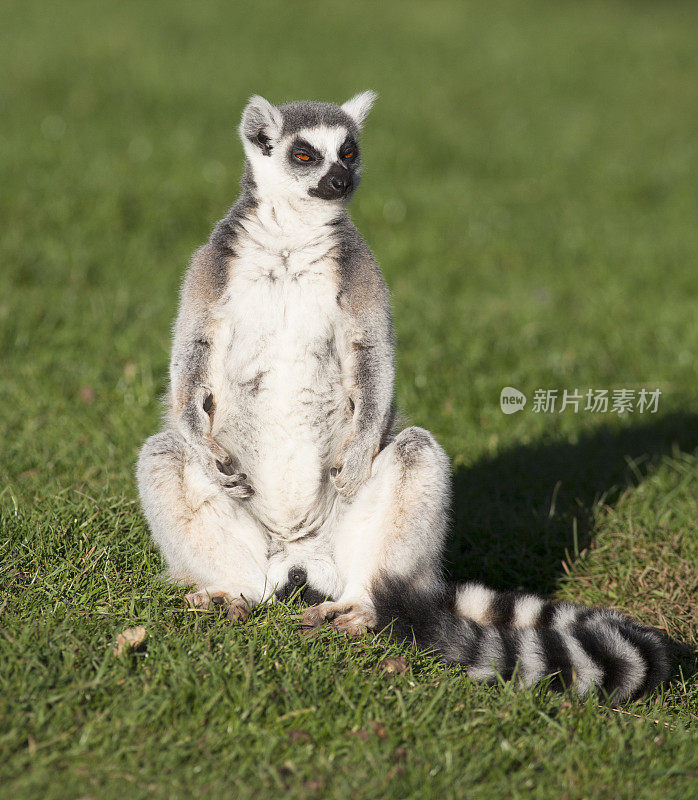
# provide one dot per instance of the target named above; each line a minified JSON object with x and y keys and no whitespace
{"x":305,"y":150}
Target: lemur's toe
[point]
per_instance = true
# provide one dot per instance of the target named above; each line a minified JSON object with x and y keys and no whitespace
{"x":316,"y":615}
{"x":207,"y":601}
{"x":312,"y":617}
{"x":357,"y":621}
{"x":344,"y":624}
{"x":238,"y":610}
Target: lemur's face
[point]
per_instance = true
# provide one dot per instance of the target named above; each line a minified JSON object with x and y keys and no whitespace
{"x":323,"y":161}
{"x":305,"y":151}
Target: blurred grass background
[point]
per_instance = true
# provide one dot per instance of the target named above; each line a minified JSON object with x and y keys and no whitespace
{"x":530,"y":175}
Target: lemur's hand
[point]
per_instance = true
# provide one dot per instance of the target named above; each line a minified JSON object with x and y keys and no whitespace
{"x":214,"y":451}
{"x":217,"y":461}
{"x":223,"y":470}
{"x":352,"y":467}
{"x":235,"y":483}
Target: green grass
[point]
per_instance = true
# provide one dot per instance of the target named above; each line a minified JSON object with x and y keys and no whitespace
{"x":529,"y":190}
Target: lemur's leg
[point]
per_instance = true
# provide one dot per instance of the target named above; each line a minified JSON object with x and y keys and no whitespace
{"x":206,"y":536}
{"x":395,"y":525}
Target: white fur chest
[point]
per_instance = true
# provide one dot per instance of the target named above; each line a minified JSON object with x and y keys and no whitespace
{"x":282,"y":410}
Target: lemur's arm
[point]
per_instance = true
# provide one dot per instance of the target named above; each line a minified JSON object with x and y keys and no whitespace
{"x":192,"y":400}
{"x":364,"y":298}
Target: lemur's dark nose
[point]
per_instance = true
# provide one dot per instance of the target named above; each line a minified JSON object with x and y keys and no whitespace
{"x":297,"y":576}
{"x":341,"y":182}
{"x":336,"y":183}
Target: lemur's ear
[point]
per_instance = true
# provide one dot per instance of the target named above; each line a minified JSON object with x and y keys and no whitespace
{"x":359,"y":106}
{"x":261,"y":124}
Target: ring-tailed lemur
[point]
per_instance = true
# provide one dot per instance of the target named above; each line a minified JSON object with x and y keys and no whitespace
{"x":279,"y":467}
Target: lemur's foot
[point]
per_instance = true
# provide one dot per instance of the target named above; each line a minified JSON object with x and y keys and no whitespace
{"x":236,"y":608}
{"x":314,"y":616}
{"x":204,"y":600}
{"x":357,"y":621}
{"x":352,"y":619}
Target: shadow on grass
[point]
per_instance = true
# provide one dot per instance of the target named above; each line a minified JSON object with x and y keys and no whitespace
{"x":515,"y":515}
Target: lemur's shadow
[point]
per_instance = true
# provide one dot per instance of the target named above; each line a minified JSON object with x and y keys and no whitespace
{"x":513,"y":514}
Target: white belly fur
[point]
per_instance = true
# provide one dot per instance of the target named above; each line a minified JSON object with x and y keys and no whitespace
{"x":281,"y":407}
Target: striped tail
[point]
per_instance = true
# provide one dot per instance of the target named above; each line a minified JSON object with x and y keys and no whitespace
{"x":521,"y":635}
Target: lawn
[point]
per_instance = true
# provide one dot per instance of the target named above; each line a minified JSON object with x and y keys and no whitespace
{"x":529,"y":190}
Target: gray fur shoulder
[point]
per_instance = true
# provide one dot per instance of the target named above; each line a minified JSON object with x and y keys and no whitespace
{"x":361,"y":285}
{"x":208,"y":275}
{"x":226,"y":231}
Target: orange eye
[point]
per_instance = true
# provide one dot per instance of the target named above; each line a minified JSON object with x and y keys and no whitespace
{"x":302,"y":157}
{"x":350,"y":154}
